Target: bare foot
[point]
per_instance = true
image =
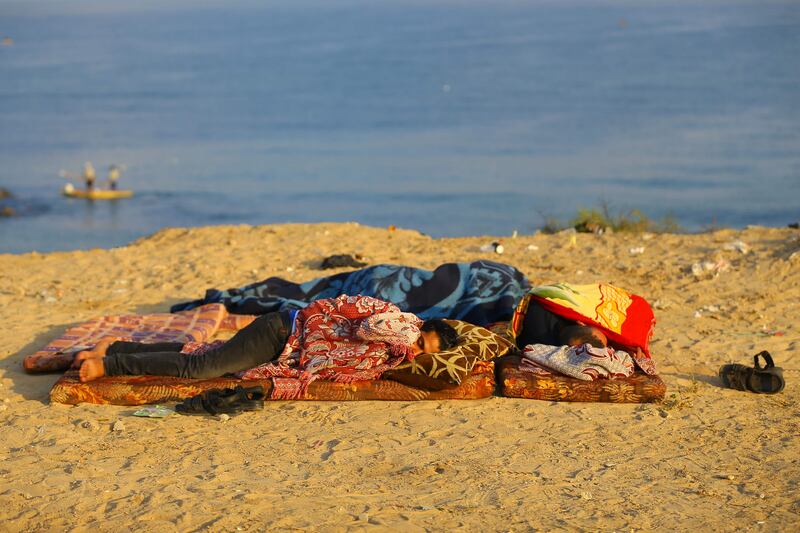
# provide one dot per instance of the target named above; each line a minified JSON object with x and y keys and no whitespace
{"x":92,"y":369}
{"x":97,"y":352}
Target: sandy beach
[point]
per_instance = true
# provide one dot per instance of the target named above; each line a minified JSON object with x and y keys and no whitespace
{"x":707,"y":458}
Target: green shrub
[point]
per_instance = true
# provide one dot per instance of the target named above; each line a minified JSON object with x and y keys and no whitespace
{"x":598,"y":220}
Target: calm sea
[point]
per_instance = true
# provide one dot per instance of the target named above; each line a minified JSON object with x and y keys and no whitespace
{"x":451,"y":117}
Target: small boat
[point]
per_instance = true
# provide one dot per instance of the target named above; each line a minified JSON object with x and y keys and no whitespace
{"x":96,"y":194}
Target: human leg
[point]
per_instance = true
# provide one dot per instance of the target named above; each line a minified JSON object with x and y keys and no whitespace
{"x":258,"y":343}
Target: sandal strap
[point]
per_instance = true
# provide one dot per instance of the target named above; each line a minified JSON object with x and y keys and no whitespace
{"x":768,"y":362}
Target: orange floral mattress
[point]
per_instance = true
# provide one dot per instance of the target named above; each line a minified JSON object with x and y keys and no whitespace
{"x":638,"y":388}
{"x":139,"y":390}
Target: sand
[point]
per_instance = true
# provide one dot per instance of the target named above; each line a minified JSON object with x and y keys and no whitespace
{"x":707,"y":458}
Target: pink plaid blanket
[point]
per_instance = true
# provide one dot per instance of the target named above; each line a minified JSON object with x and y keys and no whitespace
{"x":197,"y":325}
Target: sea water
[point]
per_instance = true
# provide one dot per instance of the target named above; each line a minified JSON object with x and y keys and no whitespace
{"x":450,"y":117}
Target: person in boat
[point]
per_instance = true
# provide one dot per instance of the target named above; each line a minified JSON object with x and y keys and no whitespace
{"x":348,"y":337}
{"x":113,"y":177}
{"x":89,"y":175}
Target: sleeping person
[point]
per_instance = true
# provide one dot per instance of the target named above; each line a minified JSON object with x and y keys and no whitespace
{"x":600,"y":315}
{"x":349,"y":338}
{"x":480,"y":292}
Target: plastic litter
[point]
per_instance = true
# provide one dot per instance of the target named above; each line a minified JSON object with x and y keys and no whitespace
{"x":740,"y":246}
{"x":495,"y":247}
{"x":707,"y":269}
{"x":154,"y":411}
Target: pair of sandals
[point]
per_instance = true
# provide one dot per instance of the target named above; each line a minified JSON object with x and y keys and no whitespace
{"x":761,"y":380}
{"x":223,"y":401}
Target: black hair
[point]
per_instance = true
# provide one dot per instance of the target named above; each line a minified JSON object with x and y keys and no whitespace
{"x":576,"y":334}
{"x":446,"y":333}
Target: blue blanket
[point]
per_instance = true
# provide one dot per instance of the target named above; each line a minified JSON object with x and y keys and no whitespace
{"x":481,"y":292}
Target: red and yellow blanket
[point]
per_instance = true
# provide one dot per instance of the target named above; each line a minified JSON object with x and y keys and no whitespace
{"x":625,"y":318}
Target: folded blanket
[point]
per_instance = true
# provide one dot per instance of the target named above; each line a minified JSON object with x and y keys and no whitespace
{"x":480,"y":292}
{"x":582,"y":362}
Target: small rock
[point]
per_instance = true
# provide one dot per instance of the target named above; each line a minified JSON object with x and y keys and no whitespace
{"x":118,"y":426}
{"x":223,"y":417}
{"x":90,"y":424}
{"x":661,"y":304}
{"x":637,"y":250}
{"x":532,"y":247}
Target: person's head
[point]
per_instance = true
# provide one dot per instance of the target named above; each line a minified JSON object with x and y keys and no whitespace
{"x":578,"y":334}
{"x":435,"y":335}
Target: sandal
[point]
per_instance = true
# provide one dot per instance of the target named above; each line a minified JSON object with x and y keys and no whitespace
{"x":761,"y":380}
{"x":223,"y":401}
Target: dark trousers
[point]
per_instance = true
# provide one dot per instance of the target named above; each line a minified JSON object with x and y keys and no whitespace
{"x":260,"y":342}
